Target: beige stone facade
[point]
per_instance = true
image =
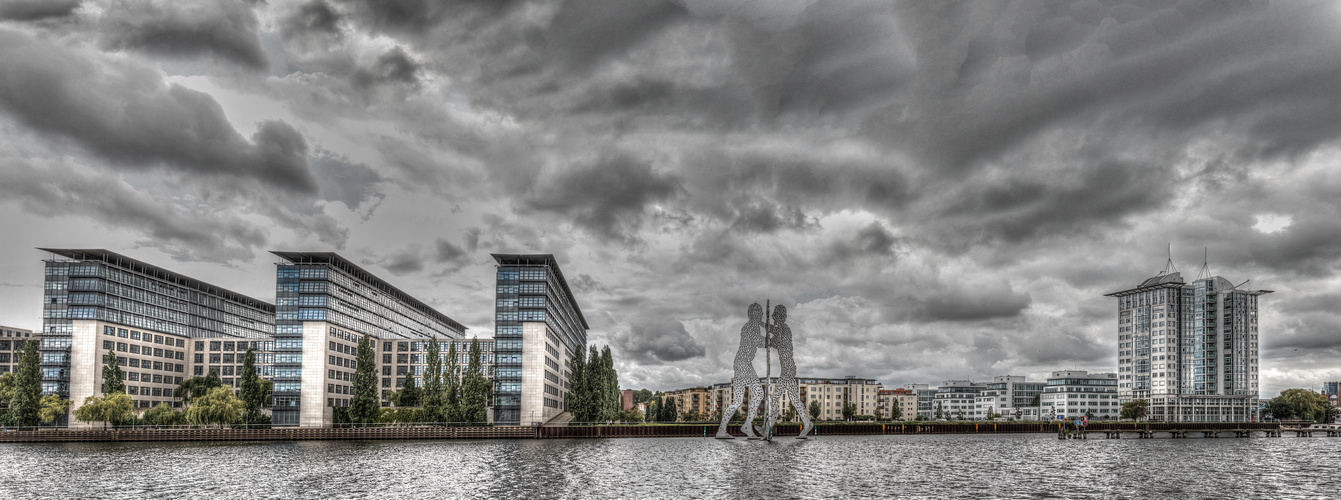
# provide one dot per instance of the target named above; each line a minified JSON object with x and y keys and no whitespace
{"x":11,"y":346}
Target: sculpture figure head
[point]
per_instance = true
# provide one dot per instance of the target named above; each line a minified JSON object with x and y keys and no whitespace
{"x":779,"y":315}
{"x":756,"y":312}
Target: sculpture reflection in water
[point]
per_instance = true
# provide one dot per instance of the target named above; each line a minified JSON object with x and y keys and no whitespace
{"x":775,"y":335}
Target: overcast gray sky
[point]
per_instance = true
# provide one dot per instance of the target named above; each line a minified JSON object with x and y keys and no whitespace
{"x":936,"y":189}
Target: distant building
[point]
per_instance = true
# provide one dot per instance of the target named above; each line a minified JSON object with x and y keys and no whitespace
{"x":1190,"y":349}
{"x":1330,"y":388}
{"x":690,"y":404}
{"x":926,"y":399}
{"x":956,"y":398}
{"x":905,"y":400}
{"x":1003,"y":395}
{"x":831,"y":393}
{"x":626,"y":400}
{"x":11,"y":346}
{"x":1074,"y":393}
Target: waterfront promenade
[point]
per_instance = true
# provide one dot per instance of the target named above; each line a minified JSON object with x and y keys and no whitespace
{"x":1110,"y":430}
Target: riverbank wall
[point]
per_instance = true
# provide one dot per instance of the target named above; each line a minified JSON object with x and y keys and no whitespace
{"x":580,"y":431}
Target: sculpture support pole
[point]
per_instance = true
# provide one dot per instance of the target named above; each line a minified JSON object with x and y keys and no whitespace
{"x":768,"y":374}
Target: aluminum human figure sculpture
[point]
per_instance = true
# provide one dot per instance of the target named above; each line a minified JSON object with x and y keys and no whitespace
{"x":780,"y":338}
{"x":746,"y":379}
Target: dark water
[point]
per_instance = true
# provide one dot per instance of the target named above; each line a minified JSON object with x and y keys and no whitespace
{"x":928,"y":466}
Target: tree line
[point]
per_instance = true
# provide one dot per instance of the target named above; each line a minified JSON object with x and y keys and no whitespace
{"x":593,"y":393}
{"x":450,"y":394}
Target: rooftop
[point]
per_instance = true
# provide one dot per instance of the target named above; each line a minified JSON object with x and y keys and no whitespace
{"x":334,"y":260}
{"x":543,"y":259}
{"x":156,"y":272}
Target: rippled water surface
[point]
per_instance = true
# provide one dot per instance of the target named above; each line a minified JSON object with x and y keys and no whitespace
{"x":938,"y":466}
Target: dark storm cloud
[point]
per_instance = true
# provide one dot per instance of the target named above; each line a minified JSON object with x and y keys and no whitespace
{"x":417,"y":16}
{"x":33,"y":10}
{"x":447,"y":251}
{"x":656,"y":339}
{"x":394,"y":67}
{"x":225,"y":29}
{"x":608,"y":197}
{"x":338,"y":179}
{"x":313,"y":18}
{"x":185,"y":231}
{"x":127,"y":114}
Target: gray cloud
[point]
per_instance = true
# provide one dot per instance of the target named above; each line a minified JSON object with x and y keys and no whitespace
{"x":33,"y":10}
{"x":126,"y":113}
{"x":607,"y":197}
{"x":226,"y":29}
{"x":656,"y":340}
{"x":338,"y":179}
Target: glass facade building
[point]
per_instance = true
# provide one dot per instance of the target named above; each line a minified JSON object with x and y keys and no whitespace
{"x":324,"y":305}
{"x":538,"y":329}
{"x":1190,"y":349}
{"x":86,"y":286}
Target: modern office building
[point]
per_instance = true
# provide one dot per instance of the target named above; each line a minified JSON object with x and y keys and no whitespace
{"x":539,"y":328}
{"x":1076,"y":393}
{"x":1003,"y":395}
{"x":324,"y":305}
{"x":1330,"y":387}
{"x":96,"y":301}
{"x":957,"y":398}
{"x":1190,"y":349}
{"x":926,"y":399}
{"x":11,"y":346}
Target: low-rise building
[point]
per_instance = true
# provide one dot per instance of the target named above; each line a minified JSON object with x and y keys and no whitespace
{"x":830,"y":393}
{"x":11,"y":346}
{"x":1003,"y":395}
{"x":1076,"y":393}
{"x":926,"y":399}
{"x":956,"y":399}
{"x":904,"y":400}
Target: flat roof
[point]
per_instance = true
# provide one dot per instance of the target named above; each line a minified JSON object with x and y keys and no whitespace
{"x":141,"y":267}
{"x":345,"y":265}
{"x":516,"y":259}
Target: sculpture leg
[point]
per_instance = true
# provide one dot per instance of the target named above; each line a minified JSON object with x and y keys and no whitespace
{"x":726,"y":419}
{"x":748,"y":427}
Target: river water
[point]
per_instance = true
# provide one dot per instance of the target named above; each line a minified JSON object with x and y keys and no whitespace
{"x":918,"y":466}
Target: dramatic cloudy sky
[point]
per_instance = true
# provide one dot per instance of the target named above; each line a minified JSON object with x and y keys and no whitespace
{"x":937,"y":189}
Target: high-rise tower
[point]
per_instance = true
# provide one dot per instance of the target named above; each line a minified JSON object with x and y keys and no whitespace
{"x":1190,"y":349}
{"x":538,"y":330}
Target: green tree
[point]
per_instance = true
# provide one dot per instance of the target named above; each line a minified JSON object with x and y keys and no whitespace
{"x":787,"y":416}
{"x":577,"y":394}
{"x":670,"y":411}
{"x":451,"y":404}
{"x":53,"y":407}
{"x":1135,"y":409}
{"x":991,"y":412}
{"x":814,"y":409}
{"x":408,"y":396}
{"x":251,"y":391}
{"x":1089,"y":415}
{"x":476,"y":388}
{"x":113,"y":408}
{"x":433,"y":383}
{"x":849,"y":411}
{"x":197,"y":386}
{"x":111,"y":374}
{"x":1301,"y":404}
{"x":365,"y":406}
{"x":218,"y":406}
{"x":1037,"y":401}
{"x":162,"y":414}
{"x":7,"y":387}
{"x":611,"y":393}
{"x":940,"y":410}
{"x":641,"y":396}
{"x":960,"y":415}
{"x":653,"y":411}
{"x":593,"y":383}
{"x":1018,"y":413}
{"x":26,"y":403}
{"x":895,"y":413}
